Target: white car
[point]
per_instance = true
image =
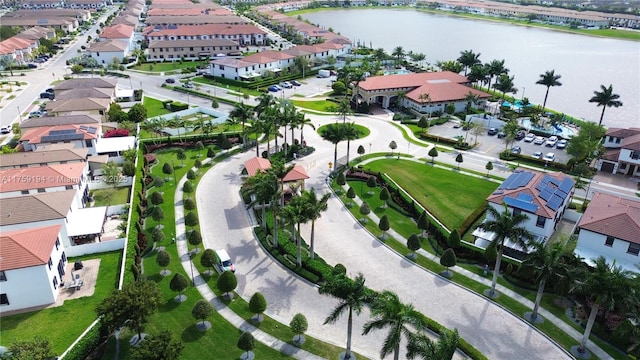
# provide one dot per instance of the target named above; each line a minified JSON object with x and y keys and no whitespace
{"x":530,"y":137}
{"x":286,"y":85}
{"x":551,"y":141}
{"x":539,"y":140}
{"x":561,"y":144}
{"x":5,"y":129}
{"x":549,"y":157}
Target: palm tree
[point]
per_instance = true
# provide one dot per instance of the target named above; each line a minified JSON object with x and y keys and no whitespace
{"x":315,"y":208}
{"x":471,"y":99}
{"x":608,"y":286}
{"x":548,"y":79}
{"x":296,"y":211}
{"x":468,"y":58}
{"x":350,"y":132}
{"x":505,"y":225}
{"x":388,"y":311}
{"x":425,"y":98}
{"x":344,"y":109}
{"x":400,"y":96}
{"x":399,"y":53}
{"x":356,"y":78}
{"x":352,"y":296}
{"x":380,"y":54}
{"x":605,"y":98}
{"x":263,"y":187}
{"x":278,"y":170}
{"x":479,"y":74}
{"x":302,"y":122}
{"x":265,"y":101}
{"x":420,"y":345}
{"x":334,"y":133}
{"x":505,"y":85}
{"x":243,"y":113}
{"x":547,"y":263}
{"x":495,"y":68}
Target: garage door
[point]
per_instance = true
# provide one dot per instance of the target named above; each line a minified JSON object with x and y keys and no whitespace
{"x":607,"y":167}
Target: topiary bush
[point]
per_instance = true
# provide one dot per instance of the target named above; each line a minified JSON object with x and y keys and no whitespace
{"x":191,"y":219}
{"x":189,"y":204}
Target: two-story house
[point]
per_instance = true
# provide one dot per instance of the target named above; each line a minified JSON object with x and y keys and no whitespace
{"x":242,"y":34}
{"x":622,"y":152}
{"x":542,"y":197}
{"x":42,"y":158}
{"x":610,"y":227}
{"x":33,"y":256}
{"x":79,"y":136}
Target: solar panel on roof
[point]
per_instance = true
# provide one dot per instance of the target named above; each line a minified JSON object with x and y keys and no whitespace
{"x":524,"y":178}
{"x":61,"y":132}
{"x":92,"y":130}
{"x":525,"y":197}
{"x":83,"y":127}
{"x":520,"y":204}
{"x":566,"y":185}
{"x":554,"y":203}
{"x":540,"y":186}
{"x":554,"y":181}
{"x":507,"y":183}
{"x":561,"y":194}
{"x":545,"y":179}
{"x":62,"y":137}
{"x":546,"y":194}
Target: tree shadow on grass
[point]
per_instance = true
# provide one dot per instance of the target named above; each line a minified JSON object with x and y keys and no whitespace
{"x":157,"y":278}
{"x":191,"y":333}
{"x":169,"y":305}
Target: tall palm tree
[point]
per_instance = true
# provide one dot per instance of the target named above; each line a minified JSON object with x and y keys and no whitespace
{"x":471,"y":99}
{"x":421,"y":345}
{"x":315,"y":207}
{"x":388,"y":311}
{"x":505,"y":225}
{"x":479,"y":74}
{"x":296,"y":211}
{"x":344,"y":109}
{"x":468,"y":58}
{"x":302,"y":122}
{"x":265,"y":101}
{"x":263,"y":187}
{"x":505,"y":85}
{"x":495,"y":68}
{"x":605,"y":98}
{"x":400,"y":96}
{"x":608,"y":286}
{"x":333,"y":133}
{"x":356,"y":78}
{"x":352,"y":296}
{"x":243,"y":113}
{"x":278,"y":170}
{"x":548,"y":79}
{"x":350,"y":132}
{"x":425,"y":98}
{"x":547,"y":264}
{"x":380,"y":54}
{"x":399,"y":53}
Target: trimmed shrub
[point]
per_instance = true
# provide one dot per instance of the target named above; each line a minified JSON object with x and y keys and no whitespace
{"x":158,"y":181}
{"x":163,"y":258}
{"x":189,"y":204}
{"x":157,"y":214}
{"x":202,"y":310}
{"x":454,"y":239}
{"x":210,"y":152}
{"x":191,"y":175}
{"x":195,"y":238}
{"x":187,"y":187}
{"x":191,"y":219}
{"x":258,"y":303}
{"x":156,"y":198}
{"x":167,"y":168}
{"x":157,"y":235}
{"x":227,"y":282}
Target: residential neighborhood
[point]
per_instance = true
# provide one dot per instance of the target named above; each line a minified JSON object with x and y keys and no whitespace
{"x":184,"y":176}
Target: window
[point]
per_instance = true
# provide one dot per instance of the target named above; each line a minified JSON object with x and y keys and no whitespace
{"x":24,"y":192}
{"x":541,"y":221}
{"x":55,"y":282}
{"x":68,"y":187}
{"x":3,"y":276}
{"x":57,"y":243}
{"x":88,"y":143}
{"x":516,"y":212}
{"x":635,"y":155}
{"x":50,"y":263}
{"x":609,"y":241}
{"x":41,"y":190}
{"x":4,"y":300}
{"x":634,"y":249}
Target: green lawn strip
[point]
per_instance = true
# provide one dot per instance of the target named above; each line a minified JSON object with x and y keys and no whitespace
{"x":154,"y":107}
{"x":73,"y":317}
{"x":168,"y":66}
{"x":448,"y":195}
{"x":120,"y":195}
{"x":317,"y":105}
{"x":236,"y":89}
{"x":363,"y":130}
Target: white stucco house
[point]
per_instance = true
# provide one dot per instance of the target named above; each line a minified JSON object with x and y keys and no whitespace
{"x":622,"y":152}
{"x":106,"y":51}
{"x":610,"y":227}
{"x":542,"y":197}
{"x":35,"y":257}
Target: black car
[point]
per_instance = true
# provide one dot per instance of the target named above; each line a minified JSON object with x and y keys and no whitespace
{"x":492,"y":131}
{"x":520,"y":135}
{"x":501,"y":135}
{"x":47,"y":95}
{"x":170,"y":81}
{"x":32,"y":66}
{"x":294,"y":83}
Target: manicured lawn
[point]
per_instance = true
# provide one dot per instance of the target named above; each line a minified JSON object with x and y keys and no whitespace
{"x":317,"y":105}
{"x":236,"y":89}
{"x":168,"y":66}
{"x":154,"y":107}
{"x":447,"y":194}
{"x":62,"y":325}
{"x":106,"y":197}
{"x":362,"y":130}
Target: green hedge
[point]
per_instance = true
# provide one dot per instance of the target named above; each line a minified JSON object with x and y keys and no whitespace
{"x":86,"y":345}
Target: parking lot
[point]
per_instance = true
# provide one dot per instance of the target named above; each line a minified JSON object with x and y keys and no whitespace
{"x":310,"y":87}
{"x":492,"y":145}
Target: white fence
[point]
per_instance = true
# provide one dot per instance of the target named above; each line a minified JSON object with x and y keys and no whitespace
{"x":94,"y":248}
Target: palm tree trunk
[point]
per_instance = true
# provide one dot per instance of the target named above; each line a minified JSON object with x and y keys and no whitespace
{"x":335,"y":156}
{"x":264,"y":214}
{"x":544,"y":104}
{"x":313,"y":233}
{"x":299,"y":244}
{"x":587,"y":330}
{"x":302,"y":135}
{"x":604,"y":107}
{"x":496,"y":271}
{"x":396,"y":352}
{"x":347,"y":354}
{"x":284,"y":144}
{"x":348,"y":146}
{"x":275,"y":224}
{"x":536,"y":305}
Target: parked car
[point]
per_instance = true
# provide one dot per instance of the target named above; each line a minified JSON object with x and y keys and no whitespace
{"x":295,"y":83}
{"x":549,"y":157}
{"x":492,"y":131}
{"x":170,"y":81}
{"x":530,"y":137}
{"x":187,"y":85}
{"x":561,"y":144}
{"x":501,"y":135}
{"x":551,"y":141}
{"x":35,"y":114}
{"x":49,"y":90}
{"x":286,"y":85}
{"x":516,"y":150}
{"x":274,"y":88}
{"x":539,"y":140}
{"x":5,"y":129}
{"x":537,"y":154}
{"x":47,"y":95}
{"x":520,"y":135}
{"x":224,"y":261}
{"x":456,"y":124}
{"x":32,"y":66}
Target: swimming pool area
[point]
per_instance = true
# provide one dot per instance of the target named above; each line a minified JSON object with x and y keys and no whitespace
{"x":397,"y":72}
{"x":558,"y":130}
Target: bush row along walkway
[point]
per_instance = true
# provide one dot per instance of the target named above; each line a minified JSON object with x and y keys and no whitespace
{"x":210,"y":296}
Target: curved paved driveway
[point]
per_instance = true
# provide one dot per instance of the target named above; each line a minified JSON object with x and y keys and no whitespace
{"x":224,"y":224}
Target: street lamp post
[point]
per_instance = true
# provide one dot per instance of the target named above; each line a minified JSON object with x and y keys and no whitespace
{"x":175,"y":179}
{"x":19,"y":114}
{"x":523,"y":89}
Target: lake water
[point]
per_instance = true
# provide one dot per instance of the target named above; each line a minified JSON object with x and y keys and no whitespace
{"x":584,"y":62}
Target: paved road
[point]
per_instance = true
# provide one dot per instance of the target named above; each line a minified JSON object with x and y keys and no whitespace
{"x":495,"y":332}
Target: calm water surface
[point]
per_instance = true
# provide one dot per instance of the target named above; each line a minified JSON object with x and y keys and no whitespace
{"x":584,"y":62}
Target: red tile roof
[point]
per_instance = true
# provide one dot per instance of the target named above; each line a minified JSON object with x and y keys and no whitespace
{"x":41,"y":177}
{"x":266,"y":57}
{"x":25,"y":248}
{"x":443,"y":92}
{"x":257,"y":164}
{"x":631,"y":143}
{"x":205,"y":29}
{"x":297,"y":173}
{"x":410,"y":80}
{"x":120,"y":31}
{"x":622,"y":133}
{"x":35,"y":135}
{"x":613,"y":216}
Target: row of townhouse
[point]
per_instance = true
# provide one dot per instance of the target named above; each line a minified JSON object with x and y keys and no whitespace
{"x":44,"y":196}
{"x":244,"y":35}
{"x":70,"y":4}
{"x":114,"y":42}
{"x":609,"y":227}
{"x":258,"y":64}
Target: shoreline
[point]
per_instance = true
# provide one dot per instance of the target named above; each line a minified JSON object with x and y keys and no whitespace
{"x":624,"y":34}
